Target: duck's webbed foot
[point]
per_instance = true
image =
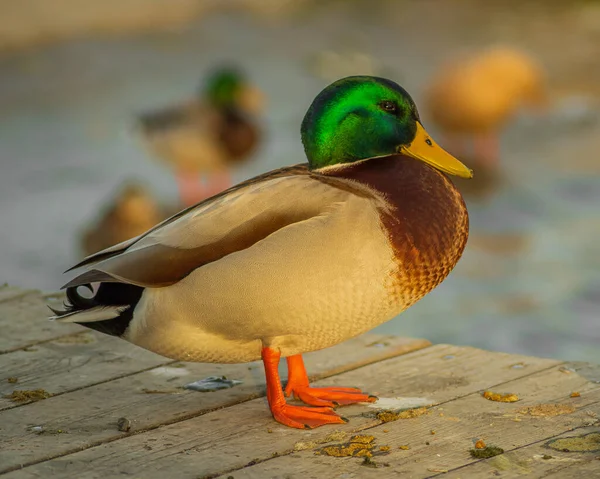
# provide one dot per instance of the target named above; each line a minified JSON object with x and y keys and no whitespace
{"x":300,"y":417}
{"x":328,"y":396}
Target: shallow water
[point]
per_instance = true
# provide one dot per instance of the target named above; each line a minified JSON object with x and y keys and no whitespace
{"x":529,"y":281}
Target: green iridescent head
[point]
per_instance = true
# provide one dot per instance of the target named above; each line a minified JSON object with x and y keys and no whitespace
{"x":223,"y":87}
{"x":362,"y":117}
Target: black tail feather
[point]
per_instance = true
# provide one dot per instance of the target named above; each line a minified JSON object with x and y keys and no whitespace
{"x":107,"y":294}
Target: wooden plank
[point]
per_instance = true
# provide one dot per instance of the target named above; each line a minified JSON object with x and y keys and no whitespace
{"x":588,"y":470}
{"x":8,"y":292}
{"x":89,"y":416}
{"x":228,"y":439}
{"x":541,"y":459}
{"x":70,"y":363}
{"x":23,"y":319}
{"x":440,"y":441}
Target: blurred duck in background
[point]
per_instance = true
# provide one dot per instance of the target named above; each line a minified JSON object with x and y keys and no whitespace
{"x":473,"y":97}
{"x":132,"y":212}
{"x":208,"y":135}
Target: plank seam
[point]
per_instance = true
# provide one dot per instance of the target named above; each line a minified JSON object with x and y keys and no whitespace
{"x":41,"y":341}
{"x":367,"y":427}
{"x":234,"y":403}
{"x":19,"y":295}
{"x":178,"y":419}
{"x":521,"y":447}
{"x":93,"y":384}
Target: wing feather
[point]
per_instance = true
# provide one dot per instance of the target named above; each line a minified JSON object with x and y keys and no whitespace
{"x":231,"y":221}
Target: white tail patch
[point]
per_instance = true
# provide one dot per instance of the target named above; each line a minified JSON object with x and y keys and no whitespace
{"x":99,"y":313}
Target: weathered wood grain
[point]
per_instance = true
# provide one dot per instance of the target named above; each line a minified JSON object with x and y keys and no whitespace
{"x":70,"y":363}
{"x":440,"y":441}
{"x":23,"y":319}
{"x":89,"y":416}
{"x":228,"y":439}
{"x":586,"y":469}
{"x":8,"y":292}
{"x":537,"y":460}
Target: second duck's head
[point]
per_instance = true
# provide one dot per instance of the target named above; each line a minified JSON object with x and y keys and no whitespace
{"x":228,"y":88}
{"x":362,"y":117}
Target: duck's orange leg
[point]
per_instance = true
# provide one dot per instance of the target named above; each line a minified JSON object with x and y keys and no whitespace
{"x":330,"y":396}
{"x":294,"y":416}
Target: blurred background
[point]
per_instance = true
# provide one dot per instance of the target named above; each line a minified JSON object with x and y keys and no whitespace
{"x":76,"y":74}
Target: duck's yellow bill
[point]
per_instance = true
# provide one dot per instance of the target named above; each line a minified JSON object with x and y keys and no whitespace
{"x":425,"y":149}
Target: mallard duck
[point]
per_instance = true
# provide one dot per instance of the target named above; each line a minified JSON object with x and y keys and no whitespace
{"x":208,"y":135}
{"x":132,"y":212}
{"x":475,"y":96}
{"x":297,"y":259}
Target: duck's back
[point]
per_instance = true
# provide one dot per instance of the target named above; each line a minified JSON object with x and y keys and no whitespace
{"x":186,"y":136}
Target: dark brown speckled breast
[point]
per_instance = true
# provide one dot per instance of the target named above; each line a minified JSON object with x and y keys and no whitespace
{"x":427,"y":221}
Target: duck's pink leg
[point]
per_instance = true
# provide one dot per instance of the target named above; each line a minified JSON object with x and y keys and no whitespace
{"x":191,"y":188}
{"x":486,"y":148}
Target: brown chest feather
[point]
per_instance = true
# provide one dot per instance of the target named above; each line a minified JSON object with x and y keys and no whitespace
{"x":425,"y":219}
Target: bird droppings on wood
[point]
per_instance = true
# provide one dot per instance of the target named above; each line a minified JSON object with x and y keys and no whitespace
{"x":212,"y":383}
{"x":362,"y":439}
{"x":585,"y":443}
{"x":25,"y":395}
{"x":123,"y":424}
{"x":358,"y":446}
{"x":486,"y":452}
{"x":368,"y":462}
{"x":334,"y":436}
{"x":497,"y":397}
{"x":547,"y":410}
{"x":353,"y":449}
{"x":390,"y":416}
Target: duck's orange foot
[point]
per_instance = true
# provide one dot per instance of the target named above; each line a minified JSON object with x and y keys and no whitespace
{"x":330,"y":396}
{"x":302,"y":417}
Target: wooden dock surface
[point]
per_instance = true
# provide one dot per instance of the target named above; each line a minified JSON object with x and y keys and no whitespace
{"x":551,"y":430}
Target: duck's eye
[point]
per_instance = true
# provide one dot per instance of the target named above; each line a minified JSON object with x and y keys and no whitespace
{"x":389,"y":106}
